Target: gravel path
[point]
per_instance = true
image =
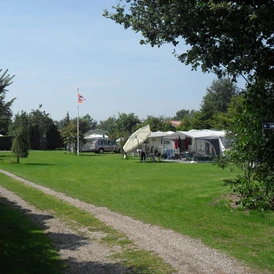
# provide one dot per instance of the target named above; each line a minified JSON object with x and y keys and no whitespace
{"x":185,"y":254}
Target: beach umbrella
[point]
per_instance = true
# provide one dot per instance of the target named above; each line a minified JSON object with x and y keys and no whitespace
{"x":137,"y":138}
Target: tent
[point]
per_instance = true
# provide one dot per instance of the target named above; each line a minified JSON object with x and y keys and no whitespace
{"x":156,"y":140}
{"x":203,"y":145}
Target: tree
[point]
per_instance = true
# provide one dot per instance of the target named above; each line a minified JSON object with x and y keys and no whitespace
{"x":40,"y":122}
{"x":227,"y":38}
{"x":218,"y":96}
{"x":234,"y":37}
{"x":157,"y":123}
{"x":181,"y":114}
{"x":5,"y":107}
{"x":252,"y":146}
{"x":126,"y":124}
{"x":69,"y":132}
{"x":215,"y":102}
{"x":108,"y":125}
{"x":185,"y":124}
{"x":69,"y":135}
{"x":64,"y":122}
{"x":20,"y":144}
{"x":53,"y":137}
{"x":87,"y":123}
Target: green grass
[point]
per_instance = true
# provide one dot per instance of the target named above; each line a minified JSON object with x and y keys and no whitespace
{"x":18,"y":241}
{"x":23,"y":246}
{"x":184,"y":197}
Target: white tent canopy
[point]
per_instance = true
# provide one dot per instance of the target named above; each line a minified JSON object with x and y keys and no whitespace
{"x":197,"y":134}
{"x":201,"y":143}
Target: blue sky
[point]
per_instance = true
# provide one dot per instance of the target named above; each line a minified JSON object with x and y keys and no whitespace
{"x":56,"y":46}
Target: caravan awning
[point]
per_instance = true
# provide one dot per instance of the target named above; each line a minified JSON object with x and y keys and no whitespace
{"x":160,"y":134}
{"x":196,"y":134}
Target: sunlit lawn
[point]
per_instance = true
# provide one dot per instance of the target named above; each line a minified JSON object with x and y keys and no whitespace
{"x":188,"y":198}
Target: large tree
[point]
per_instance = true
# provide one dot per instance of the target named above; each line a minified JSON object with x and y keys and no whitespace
{"x":108,"y":125}
{"x":40,"y":123}
{"x":215,"y":103}
{"x":253,"y":146}
{"x":227,"y":38}
{"x":5,"y":107}
{"x":125,"y":125}
{"x":234,"y":37}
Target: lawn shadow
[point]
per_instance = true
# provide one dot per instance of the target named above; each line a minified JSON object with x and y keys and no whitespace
{"x":229,"y":182}
{"x":102,"y":268}
{"x":23,"y":248}
{"x":39,"y":164}
{"x":98,"y":154}
{"x":156,"y":162}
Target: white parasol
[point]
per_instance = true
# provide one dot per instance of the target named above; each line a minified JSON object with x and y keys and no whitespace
{"x":137,"y":138}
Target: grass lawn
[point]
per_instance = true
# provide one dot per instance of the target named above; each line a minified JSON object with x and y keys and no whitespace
{"x":187,"y":198}
{"x":23,"y":246}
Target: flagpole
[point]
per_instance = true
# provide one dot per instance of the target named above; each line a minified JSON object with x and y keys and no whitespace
{"x":77,"y":122}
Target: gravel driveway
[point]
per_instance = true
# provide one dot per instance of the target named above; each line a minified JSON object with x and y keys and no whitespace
{"x":185,"y":254}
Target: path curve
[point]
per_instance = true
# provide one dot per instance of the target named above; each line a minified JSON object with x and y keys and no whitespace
{"x":185,"y":254}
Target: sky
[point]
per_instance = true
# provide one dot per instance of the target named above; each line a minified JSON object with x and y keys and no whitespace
{"x":54,"y":47}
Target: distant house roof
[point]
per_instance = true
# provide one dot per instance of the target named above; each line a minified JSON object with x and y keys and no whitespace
{"x":175,"y":123}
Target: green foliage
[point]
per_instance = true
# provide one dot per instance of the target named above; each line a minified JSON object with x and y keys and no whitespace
{"x":20,"y":144}
{"x":40,"y":123}
{"x":234,"y":37}
{"x":53,"y":137}
{"x":5,"y":107}
{"x":109,"y":126}
{"x":20,"y":132}
{"x":252,"y":147}
{"x":5,"y":142}
{"x":125,"y":125}
{"x":69,"y":135}
{"x":181,"y":114}
{"x":227,"y":38}
{"x":251,"y":194}
{"x":215,"y":103}
{"x":158,"y":124}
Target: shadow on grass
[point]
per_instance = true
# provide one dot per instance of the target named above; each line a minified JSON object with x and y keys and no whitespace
{"x":229,"y":182}
{"x":39,"y":164}
{"x":104,"y":268}
{"x":156,"y":162}
{"x":98,"y":154}
{"x":25,"y":248}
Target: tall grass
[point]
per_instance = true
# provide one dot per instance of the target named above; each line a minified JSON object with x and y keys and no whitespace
{"x":188,"y":198}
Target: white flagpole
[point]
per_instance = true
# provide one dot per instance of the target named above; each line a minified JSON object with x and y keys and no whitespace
{"x":78,"y":145}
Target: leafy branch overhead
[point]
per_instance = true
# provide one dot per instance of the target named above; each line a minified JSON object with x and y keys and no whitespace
{"x":226,"y":37}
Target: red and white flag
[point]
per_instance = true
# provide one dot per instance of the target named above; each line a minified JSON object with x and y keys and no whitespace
{"x":80,"y":97}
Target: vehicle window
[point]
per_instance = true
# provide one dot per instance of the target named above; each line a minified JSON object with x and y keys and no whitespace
{"x":100,"y":142}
